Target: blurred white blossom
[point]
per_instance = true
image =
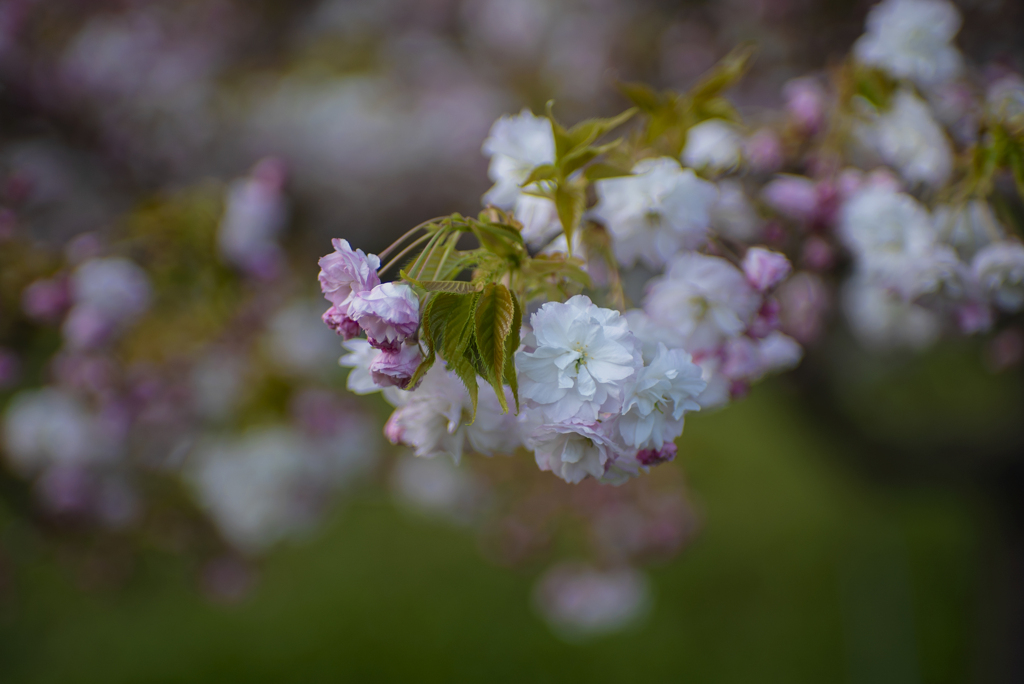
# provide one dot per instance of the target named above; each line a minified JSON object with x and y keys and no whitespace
{"x":912,"y":39}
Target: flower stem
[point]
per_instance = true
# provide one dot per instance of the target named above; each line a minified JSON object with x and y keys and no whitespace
{"x":394,"y":245}
{"x":398,"y":257}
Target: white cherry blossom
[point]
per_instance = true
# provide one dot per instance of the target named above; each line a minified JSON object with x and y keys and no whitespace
{"x":894,"y":241}
{"x":705,"y":299}
{"x":912,"y":39}
{"x":658,"y":211}
{"x":437,"y":419}
{"x":909,"y":138}
{"x":714,"y":145}
{"x":663,"y":392}
{"x":999,"y":269}
{"x":572,"y":451}
{"x":583,"y":359}
{"x":516,"y":145}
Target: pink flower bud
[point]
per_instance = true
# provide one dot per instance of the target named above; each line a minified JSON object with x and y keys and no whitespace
{"x":389,"y":313}
{"x":829,"y":202}
{"x":652,"y":457}
{"x":764,"y":151}
{"x":804,"y":300}
{"x":346,"y":272}
{"x":778,"y":352}
{"x":974,"y":317}
{"x":46,"y":300}
{"x":393,"y":429}
{"x":794,"y":197}
{"x":738,"y":389}
{"x":340,"y":323}
{"x":87,"y":327}
{"x":818,"y":254}
{"x":765,"y":269}
{"x":805,"y":103}
{"x":773,"y":233}
{"x":766,"y":321}
{"x":849,"y":182}
{"x":741,"y":359}
{"x":394,"y":369}
{"x":66,"y":489}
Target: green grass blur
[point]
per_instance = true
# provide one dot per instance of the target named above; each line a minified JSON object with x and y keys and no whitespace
{"x":802,"y":573}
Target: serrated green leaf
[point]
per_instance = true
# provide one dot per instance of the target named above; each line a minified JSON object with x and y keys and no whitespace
{"x":443,"y":307}
{"x":511,"y":347}
{"x":427,"y":338}
{"x":540,"y":173}
{"x":465,"y":371}
{"x":494,"y":315}
{"x":449,"y":286}
{"x":503,"y":241}
{"x":451,"y":324}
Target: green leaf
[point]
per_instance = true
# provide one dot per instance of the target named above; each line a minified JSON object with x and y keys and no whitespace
{"x":436,"y":260}
{"x":586,"y":132}
{"x":449,"y":286}
{"x":560,"y":266}
{"x":876,"y":87}
{"x":425,"y":336}
{"x":464,"y":369}
{"x":444,"y":306}
{"x":450,"y":328}
{"x":409,"y":279}
{"x":716,"y":108}
{"x":540,"y":173}
{"x":570,"y":203}
{"x":583,"y":156}
{"x":642,"y":95}
{"x":728,"y":70}
{"x":563,"y":143}
{"x":494,"y":315}
{"x":602,"y":170}
{"x":451,"y":324}
{"x":511,"y":347}
{"x":504,"y":241}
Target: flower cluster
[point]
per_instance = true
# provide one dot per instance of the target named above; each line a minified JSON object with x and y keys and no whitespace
{"x":604,"y":392}
{"x":129,"y":398}
{"x":689,"y":220}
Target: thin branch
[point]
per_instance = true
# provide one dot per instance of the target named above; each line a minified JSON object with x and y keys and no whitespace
{"x":408,"y":233}
{"x":405,"y":251}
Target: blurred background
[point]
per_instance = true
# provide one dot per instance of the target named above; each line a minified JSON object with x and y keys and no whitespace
{"x":188,"y":493}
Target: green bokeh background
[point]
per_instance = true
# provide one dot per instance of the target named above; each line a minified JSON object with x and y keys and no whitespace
{"x":803,"y":572}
